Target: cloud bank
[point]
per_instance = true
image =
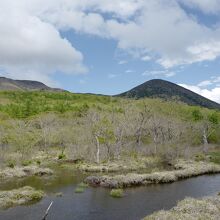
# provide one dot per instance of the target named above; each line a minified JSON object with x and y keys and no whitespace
{"x":162,"y":31}
{"x":212,"y":93}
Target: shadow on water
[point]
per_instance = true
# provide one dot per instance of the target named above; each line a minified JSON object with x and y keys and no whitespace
{"x":95,"y":203}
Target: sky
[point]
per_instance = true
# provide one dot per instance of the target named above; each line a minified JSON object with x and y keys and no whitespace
{"x":110,"y":46}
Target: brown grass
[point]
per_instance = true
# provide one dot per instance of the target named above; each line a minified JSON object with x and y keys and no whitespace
{"x":19,"y":172}
{"x":183,"y":169}
{"x":191,"y":209}
{"x":19,"y":196}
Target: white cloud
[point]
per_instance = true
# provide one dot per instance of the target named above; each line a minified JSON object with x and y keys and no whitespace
{"x":158,"y":73}
{"x":160,"y":30}
{"x":33,"y":49}
{"x":205,"y":83}
{"x":129,"y":71}
{"x":207,"y":6}
{"x":121,"y":62}
{"x":216,"y":79}
{"x":212,"y":94}
{"x":170,"y":74}
{"x":146,"y":58}
{"x":212,"y":81}
{"x":111,"y":76}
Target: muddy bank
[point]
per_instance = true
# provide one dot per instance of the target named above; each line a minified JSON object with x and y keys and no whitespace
{"x":189,"y":208}
{"x":19,"y":196}
{"x":183,"y":169}
{"x":26,"y":171}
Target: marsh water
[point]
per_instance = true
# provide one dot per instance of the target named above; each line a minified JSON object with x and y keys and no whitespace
{"x":95,"y":203}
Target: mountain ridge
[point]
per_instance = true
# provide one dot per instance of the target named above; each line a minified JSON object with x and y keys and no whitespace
{"x":158,"y":88}
{"x":24,"y":85}
{"x":155,"y":88}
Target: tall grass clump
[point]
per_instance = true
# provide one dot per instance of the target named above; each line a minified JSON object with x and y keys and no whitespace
{"x":117,"y":193}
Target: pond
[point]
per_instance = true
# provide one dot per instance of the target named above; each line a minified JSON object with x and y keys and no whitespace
{"x":95,"y":203}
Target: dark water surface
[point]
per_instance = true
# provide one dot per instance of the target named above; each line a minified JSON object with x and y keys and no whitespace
{"x":96,"y":204}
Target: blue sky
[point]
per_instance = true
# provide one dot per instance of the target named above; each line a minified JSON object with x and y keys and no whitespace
{"x":108,"y":47}
{"x":112,"y":71}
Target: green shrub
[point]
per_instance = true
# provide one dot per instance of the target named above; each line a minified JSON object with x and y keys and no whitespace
{"x":200,"y":157}
{"x":213,"y":138}
{"x":11,"y":164}
{"x":26,"y":163}
{"x":214,"y":157}
{"x":61,"y":156}
{"x":38,"y":162}
{"x":83,"y":185}
{"x":79,"y":189}
{"x":117,"y":193}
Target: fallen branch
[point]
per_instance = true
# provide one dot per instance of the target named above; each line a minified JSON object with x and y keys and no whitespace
{"x":47,"y":211}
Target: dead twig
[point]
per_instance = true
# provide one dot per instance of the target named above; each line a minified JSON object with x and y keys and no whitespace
{"x":47,"y":211}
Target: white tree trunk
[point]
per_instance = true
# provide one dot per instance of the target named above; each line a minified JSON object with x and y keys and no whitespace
{"x":155,"y":145}
{"x":97,"y":150}
{"x":205,"y":141}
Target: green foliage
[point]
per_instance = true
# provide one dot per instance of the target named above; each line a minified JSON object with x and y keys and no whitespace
{"x":133,"y":154}
{"x":200,"y":157}
{"x":38,"y":162}
{"x":214,"y":156}
{"x":214,"y":118}
{"x":61,"y":156}
{"x":105,"y":130}
{"x":197,"y":115}
{"x":117,"y":193}
{"x":83,"y":185}
{"x":30,"y":121}
{"x":11,"y":164}
{"x":27,"y":104}
{"x":26,"y":163}
{"x":213,"y":138}
{"x":79,"y":189}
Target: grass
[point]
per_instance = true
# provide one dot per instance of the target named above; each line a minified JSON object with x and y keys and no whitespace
{"x":183,"y":170}
{"x":126,"y":163}
{"x":59,"y":194}
{"x":189,"y":208}
{"x":11,"y":164}
{"x":26,"y":163}
{"x":24,"y":171}
{"x":81,"y":187}
{"x":19,"y":196}
{"x":61,"y":156}
{"x":215,"y":157}
{"x":117,"y":193}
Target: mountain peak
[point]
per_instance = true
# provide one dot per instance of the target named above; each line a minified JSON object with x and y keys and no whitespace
{"x":158,"y":88}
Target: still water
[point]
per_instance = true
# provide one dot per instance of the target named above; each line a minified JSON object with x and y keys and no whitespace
{"x":96,"y":204}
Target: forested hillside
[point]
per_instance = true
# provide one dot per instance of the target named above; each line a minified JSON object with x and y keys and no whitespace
{"x":102,"y":128}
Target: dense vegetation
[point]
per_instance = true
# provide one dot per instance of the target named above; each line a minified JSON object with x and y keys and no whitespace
{"x":102,"y":128}
{"x":166,"y":90}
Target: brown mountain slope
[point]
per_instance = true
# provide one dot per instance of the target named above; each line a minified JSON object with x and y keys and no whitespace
{"x":23,"y":85}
